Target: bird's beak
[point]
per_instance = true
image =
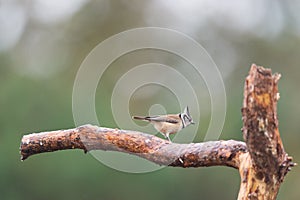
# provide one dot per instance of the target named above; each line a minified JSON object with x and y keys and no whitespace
{"x":192,"y":122}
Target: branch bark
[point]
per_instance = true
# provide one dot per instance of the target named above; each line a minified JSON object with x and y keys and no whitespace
{"x":261,"y":160}
{"x":150,"y":147}
{"x":264,"y":169}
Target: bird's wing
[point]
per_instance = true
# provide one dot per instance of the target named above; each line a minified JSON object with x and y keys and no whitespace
{"x":169,"y":119}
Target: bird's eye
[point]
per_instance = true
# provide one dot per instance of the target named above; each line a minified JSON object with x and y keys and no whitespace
{"x":186,"y":118}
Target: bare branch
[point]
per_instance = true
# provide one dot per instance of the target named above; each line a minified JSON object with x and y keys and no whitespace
{"x":147,"y":146}
{"x":268,"y":163}
{"x":262,"y":160}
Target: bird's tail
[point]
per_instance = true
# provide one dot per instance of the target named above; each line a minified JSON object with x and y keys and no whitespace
{"x":140,"y":118}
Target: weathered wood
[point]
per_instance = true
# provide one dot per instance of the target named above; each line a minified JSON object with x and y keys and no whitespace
{"x":261,"y":160}
{"x":150,"y":147}
{"x":264,"y":168}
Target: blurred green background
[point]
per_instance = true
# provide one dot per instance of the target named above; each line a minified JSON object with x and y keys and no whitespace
{"x":43,"y":43}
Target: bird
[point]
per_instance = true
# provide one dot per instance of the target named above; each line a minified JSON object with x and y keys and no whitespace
{"x":169,"y":124}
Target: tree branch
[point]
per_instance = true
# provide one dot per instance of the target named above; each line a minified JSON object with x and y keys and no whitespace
{"x":147,"y":146}
{"x":261,"y":160}
{"x":263,"y":171}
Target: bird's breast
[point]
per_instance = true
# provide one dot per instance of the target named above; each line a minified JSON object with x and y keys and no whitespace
{"x":165,"y":127}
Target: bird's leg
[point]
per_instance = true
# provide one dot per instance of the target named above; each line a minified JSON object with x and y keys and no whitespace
{"x":168,"y":137}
